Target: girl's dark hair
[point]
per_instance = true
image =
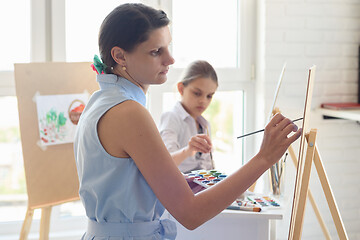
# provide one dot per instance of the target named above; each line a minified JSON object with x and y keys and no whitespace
{"x":127,"y":26}
{"x":199,"y":69}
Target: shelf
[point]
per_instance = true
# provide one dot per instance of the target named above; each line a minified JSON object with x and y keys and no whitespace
{"x":351,"y":114}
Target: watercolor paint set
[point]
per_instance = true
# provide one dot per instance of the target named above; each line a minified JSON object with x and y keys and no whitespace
{"x":199,"y":180}
{"x":264,"y":201}
{"x":245,"y":206}
{"x":205,"y":178}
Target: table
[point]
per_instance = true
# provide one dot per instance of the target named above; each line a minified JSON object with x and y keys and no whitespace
{"x":234,"y":224}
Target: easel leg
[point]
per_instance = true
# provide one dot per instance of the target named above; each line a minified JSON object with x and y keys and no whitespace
{"x":311,"y":198}
{"x":26,"y":224}
{"x":329,"y":196}
{"x":252,"y":187}
{"x":296,"y":229}
{"x":318,"y":216}
{"x":45,"y":223}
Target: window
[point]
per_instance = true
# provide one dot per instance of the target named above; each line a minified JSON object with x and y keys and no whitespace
{"x":226,"y":117}
{"x":12,"y":177}
{"x":15,"y":40}
{"x":220,"y":32}
{"x":82,"y":32}
{"x":212,"y":36}
{"x":229,"y":113}
{"x":15,"y":48}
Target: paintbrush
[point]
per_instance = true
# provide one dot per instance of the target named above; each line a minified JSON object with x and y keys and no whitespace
{"x":248,"y":134}
{"x":211,"y":157}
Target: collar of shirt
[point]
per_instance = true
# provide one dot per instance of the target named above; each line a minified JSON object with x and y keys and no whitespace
{"x":107,"y":81}
{"x":184,"y":115}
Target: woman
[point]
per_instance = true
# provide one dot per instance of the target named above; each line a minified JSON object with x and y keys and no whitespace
{"x":126,"y":174}
{"x":183,"y":129}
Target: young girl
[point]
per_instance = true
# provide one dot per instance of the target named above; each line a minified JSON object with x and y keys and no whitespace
{"x":183,"y":129}
{"x":121,"y":159}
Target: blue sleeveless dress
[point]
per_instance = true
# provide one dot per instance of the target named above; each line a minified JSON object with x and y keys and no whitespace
{"x":119,"y":203}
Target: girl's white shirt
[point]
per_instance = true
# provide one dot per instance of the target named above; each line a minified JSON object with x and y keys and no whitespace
{"x":176,"y":128}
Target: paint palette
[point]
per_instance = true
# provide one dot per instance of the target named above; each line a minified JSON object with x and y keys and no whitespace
{"x":205,"y":178}
{"x":264,"y":201}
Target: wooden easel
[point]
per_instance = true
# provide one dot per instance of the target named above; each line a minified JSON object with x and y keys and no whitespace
{"x":44,"y":223}
{"x":326,"y":188}
{"x":309,"y":194}
{"x":51,"y":176}
{"x":303,"y":167}
{"x":303,"y":175}
{"x":302,"y":191}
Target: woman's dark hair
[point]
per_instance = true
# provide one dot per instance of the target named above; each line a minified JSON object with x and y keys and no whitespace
{"x":127,"y":26}
{"x":199,"y":69}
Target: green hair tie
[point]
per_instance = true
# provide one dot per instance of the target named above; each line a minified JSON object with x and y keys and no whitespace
{"x":99,"y":65}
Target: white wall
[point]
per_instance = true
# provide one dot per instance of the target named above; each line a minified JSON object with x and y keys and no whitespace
{"x":325,"y":33}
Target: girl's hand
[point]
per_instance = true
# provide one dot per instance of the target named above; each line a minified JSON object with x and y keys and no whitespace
{"x":276,"y":138}
{"x":199,"y":143}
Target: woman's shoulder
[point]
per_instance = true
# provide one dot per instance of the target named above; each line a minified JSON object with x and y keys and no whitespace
{"x":122,"y":125}
{"x":129,"y":110}
{"x":125,"y":117}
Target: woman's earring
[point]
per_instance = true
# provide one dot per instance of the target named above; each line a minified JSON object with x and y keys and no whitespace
{"x":124,"y":68}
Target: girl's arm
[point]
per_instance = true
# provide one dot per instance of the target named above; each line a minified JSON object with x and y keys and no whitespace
{"x":197,"y":143}
{"x":128,"y":130}
{"x":169,"y":132}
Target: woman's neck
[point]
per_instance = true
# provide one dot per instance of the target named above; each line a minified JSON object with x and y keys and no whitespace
{"x":127,"y":76}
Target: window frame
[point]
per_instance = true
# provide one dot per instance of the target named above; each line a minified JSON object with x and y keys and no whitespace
{"x":47,"y":36}
{"x":240,"y":78}
{"x":48,"y":44}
